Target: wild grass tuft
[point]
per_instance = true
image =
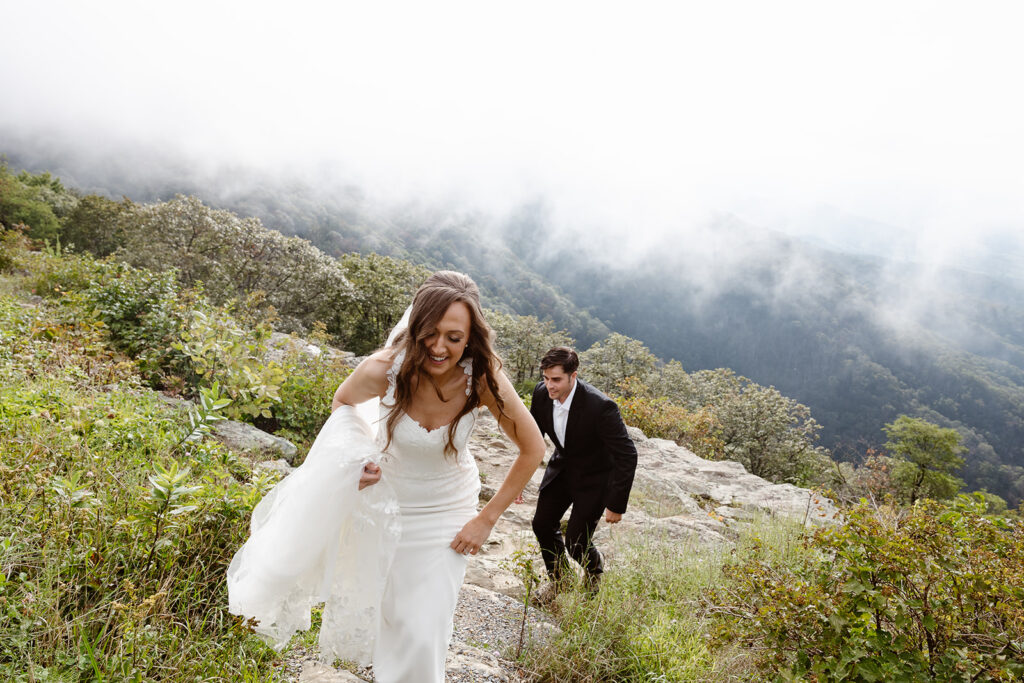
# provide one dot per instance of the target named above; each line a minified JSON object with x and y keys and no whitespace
{"x":650,"y":621}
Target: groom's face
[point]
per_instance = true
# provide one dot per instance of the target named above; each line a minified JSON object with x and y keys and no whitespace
{"x":558,"y":384}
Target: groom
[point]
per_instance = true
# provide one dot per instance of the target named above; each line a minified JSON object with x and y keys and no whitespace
{"x":591,"y":469}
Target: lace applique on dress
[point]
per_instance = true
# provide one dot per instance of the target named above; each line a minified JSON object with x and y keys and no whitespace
{"x":467,"y":367}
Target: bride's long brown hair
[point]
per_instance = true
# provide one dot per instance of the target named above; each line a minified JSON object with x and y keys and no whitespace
{"x":432,"y":300}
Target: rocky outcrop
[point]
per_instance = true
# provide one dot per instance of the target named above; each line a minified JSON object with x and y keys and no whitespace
{"x":242,"y":437}
{"x":281,"y":344}
{"x":677,"y":497}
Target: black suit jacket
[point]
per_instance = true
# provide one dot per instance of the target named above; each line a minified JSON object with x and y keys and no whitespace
{"x":598,"y":456}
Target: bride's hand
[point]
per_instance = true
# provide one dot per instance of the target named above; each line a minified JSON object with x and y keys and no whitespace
{"x":472,"y":537}
{"x":369,"y":476}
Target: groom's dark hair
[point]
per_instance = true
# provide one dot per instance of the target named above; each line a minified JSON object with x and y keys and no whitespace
{"x":561,"y":355}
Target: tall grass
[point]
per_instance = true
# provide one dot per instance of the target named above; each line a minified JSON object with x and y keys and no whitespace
{"x":100,"y":577}
{"x":651,"y":620}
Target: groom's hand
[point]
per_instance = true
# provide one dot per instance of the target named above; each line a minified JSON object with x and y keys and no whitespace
{"x":612,"y":517}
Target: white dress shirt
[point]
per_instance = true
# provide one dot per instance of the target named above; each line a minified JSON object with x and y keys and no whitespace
{"x":560,"y":414}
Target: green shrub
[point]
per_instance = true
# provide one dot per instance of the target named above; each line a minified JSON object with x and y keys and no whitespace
{"x":34,"y":201}
{"x":55,"y":274}
{"x":115,"y":532}
{"x":145,"y":312}
{"x":659,"y":418}
{"x":933,"y":592}
{"x":235,"y":257}
{"x":308,"y":386}
{"x":98,"y":225}
{"x":218,"y":349}
{"x":12,"y":249}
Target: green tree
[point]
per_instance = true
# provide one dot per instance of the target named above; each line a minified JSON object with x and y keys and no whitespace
{"x":522,"y":340}
{"x":235,"y":257}
{"x":926,"y":455}
{"x":20,"y":205}
{"x":771,"y":435}
{"x":382,"y":288}
{"x":97,"y":224}
{"x":606,"y":365}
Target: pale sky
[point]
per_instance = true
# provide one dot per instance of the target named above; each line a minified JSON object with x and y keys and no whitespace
{"x":635,"y":117}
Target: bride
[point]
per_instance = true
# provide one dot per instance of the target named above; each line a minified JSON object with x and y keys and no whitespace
{"x":379,"y":526}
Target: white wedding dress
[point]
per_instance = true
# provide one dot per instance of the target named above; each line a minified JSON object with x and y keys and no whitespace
{"x":379,"y":558}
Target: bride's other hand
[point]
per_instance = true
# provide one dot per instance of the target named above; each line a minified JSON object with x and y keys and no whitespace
{"x":472,"y":537}
{"x":369,"y":476}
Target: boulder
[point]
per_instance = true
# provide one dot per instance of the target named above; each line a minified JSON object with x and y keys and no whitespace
{"x":281,"y":343}
{"x":242,"y":437}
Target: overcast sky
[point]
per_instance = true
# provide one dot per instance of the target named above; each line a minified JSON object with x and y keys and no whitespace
{"x":634,"y":116}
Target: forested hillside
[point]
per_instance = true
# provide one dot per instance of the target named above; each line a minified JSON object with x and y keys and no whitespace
{"x":858,"y":339}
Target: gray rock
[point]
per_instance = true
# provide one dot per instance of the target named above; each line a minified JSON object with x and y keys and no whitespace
{"x":486,"y":492}
{"x":244,"y":438}
{"x":280,"y":466}
{"x":678,"y":497}
{"x":314,"y":671}
{"x":281,"y":343}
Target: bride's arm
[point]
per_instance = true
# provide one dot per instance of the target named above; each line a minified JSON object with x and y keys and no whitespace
{"x":367,"y":381}
{"x":519,"y":425}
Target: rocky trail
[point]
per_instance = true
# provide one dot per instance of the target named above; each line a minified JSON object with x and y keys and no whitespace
{"x":677,"y":497}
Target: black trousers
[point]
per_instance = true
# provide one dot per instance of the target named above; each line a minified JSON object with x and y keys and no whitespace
{"x":553,"y":501}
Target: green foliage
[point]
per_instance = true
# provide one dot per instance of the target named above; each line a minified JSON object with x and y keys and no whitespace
{"x":30,"y":201}
{"x":658,"y":417}
{"x":650,"y":621}
{"x":116,"y":530}
{"x":383,"y":287}
{"x":310,"y":381}
{"x":235,"y":258}
{"x":714,"y":412}
{"x":12,"y":249}
{"x":772,"y":436}
{"x":219,"y":350}
{"x":145,"y":313}
{"x":522,"y":562}
{"x":935,"y":592}
{"x":98,"y":225}
{"x":925,"y":457}
{"x":607,"y":364}
{"x":202,"y":417}
{"x":521,"y":341}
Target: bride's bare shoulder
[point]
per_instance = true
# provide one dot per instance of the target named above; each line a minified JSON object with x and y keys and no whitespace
{"x":376,"y":365}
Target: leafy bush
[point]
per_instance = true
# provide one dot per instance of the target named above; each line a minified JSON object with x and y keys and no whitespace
{"x":116,"y":532}
{"x":12,"y":248}
{"x":98,"y":225}
{"x":218,"y":349}
{"x":235,"y":257}
{"x":935,"y":592}
{"x":54,"y":274}
{"x":521,"y":341}
{"x":145,"y":312}
{"x":309,"y":384}
{"x":383,"y":287}
{"x":657,"y":417}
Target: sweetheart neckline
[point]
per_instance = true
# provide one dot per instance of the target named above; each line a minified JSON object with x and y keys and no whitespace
{"x":439,"y":427}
